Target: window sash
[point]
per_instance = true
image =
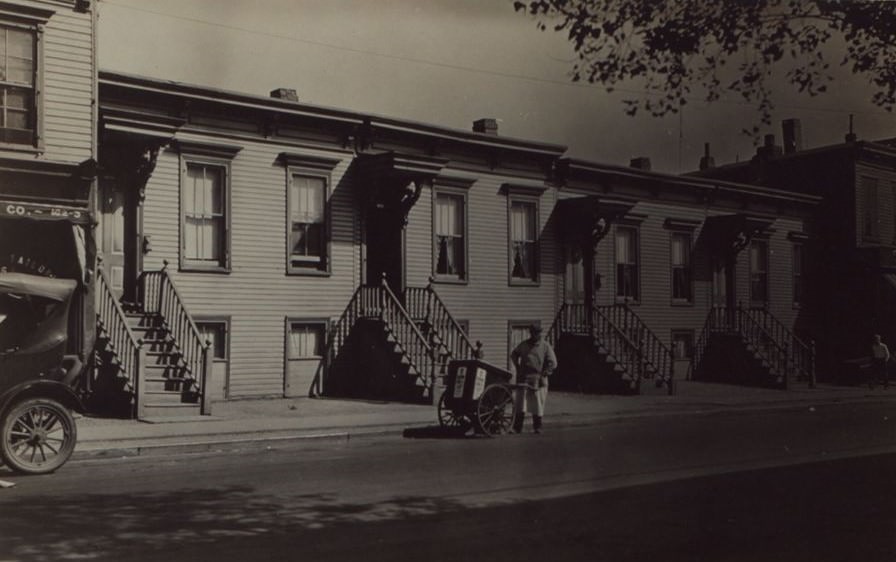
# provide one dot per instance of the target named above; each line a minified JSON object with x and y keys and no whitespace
{"x":205,"y":221}
{"x":307,"y":236}
{"x":797,"y":274}
{"x":870,"y":204}
{"x":627,"y":270}
{"x":306,"y":341}
{"x":449,"y":235}
{"x":18,"y":58}
{"x":759,"y":272}
{"x":681,"y":267}
{"x":523,"y":241}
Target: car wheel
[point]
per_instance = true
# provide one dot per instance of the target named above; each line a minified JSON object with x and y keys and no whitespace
{"x":38,"y":436}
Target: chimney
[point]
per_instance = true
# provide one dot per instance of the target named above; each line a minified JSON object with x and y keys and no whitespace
{"x":850,"y":136}
{"x":641,"y":163}
{"x":707,"y":161}
{"x":769,"y":150}
{"x":486,"y":126}
{"x":793,"y":135}
{"x":286,"y":94}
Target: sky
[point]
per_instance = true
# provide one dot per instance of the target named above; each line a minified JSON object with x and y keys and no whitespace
{"x":449,"y":63}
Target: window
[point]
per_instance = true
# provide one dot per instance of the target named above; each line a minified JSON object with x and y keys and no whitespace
{"x":523,"y":241}
{"x":449,"y":236}
{"x":870,"y":218}
{"x":517,"y":333}
{"x":216,"y":333}
{"x":307,"y":222}
{"x":18,"y":78}
{"x":759,"y":272}
{"x":682,"y":345}
{"x":798,"y":274}
{"x":204,"y":232}
{"x":682,"y":287}
{"x":306,"y":340}
{"x":627,"y":277}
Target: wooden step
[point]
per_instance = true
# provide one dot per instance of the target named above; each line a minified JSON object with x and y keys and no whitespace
{"x":167,"y":384}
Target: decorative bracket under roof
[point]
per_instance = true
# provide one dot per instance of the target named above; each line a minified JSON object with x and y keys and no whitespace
{"x":727,"y":235}
{"x":393,"y":182}
{"x":586,"y":220}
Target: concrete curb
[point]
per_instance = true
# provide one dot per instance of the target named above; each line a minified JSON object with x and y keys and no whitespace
{"x":253,"y":440}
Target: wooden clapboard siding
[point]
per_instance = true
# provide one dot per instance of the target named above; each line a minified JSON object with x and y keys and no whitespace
{"x":69,"y":76}
{"x":257,"y":293}
{"x":487,"y":300}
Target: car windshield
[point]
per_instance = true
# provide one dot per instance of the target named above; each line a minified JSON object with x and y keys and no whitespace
{"x":20,"y":315}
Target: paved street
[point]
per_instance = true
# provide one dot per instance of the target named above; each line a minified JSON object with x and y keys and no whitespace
{"x":807,"y":483}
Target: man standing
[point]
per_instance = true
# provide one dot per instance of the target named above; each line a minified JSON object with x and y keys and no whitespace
{"x":534,"y":360}
{"x":880,"y":354}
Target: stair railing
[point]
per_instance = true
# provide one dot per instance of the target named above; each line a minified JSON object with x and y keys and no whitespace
{"x":656,"y":355}
{"x":426,"y":305}
{"x":160,"y":296}
{"x":407,"y":335}
{"x":128,"y":349}
{"x":796,"y":357}
{"x":618,"y":342}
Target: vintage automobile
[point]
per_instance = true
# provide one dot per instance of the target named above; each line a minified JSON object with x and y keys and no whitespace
{"x":37,"y":427}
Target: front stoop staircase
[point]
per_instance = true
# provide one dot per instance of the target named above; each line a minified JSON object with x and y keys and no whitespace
{"x":150,"y":359}
{"x":609,"y":349}
{"x":169,"y":388}
{"x":383,"y":346}
{"x":751,"y":346}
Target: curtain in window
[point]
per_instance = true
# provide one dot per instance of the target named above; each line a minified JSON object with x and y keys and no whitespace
{"x":305,"y":341}
{"x":522,"y":234}
{"x":758,"y":272}
{"x":681,"y":275}
{"x":626,"y":263}
{"x":203,"y":213}
{"x":449,"y":234}
{"x":307,"y":215}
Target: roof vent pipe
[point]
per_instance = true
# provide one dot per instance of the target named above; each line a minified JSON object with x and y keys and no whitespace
{"x":707,"y":161}
{"x":850,"y":136}
{"x":793,"y":135}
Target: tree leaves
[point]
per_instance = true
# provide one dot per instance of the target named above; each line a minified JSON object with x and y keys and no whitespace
{"x":679,"y":47}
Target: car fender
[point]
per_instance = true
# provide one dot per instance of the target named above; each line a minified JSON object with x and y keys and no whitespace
{"x":42,"y":389}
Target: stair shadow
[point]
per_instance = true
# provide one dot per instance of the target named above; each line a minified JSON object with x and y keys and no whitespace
{"x":439,"y":432}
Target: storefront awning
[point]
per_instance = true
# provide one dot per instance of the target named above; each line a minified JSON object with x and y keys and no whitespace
{"x":10,"y":209}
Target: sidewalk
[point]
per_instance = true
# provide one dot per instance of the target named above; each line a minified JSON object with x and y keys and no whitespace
{"x":256,"y":422}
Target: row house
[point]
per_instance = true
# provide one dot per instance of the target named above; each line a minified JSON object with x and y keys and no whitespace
{"x":48,"y":150}
{"x":260,"y":246}
{"x":850,"y":260}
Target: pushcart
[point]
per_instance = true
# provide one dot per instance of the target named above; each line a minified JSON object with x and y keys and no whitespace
{"x":477,"y":395}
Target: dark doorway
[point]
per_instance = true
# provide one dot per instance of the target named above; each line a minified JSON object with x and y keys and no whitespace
{"x":385,"y":249}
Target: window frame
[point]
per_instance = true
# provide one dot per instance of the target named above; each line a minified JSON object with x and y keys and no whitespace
{"x":516,"y":323}
{"x":533,"y":202}
{"x":636,"y":230}
{"x":322,"y":266}
{"x":798,"y":278}
{"x":754,"y":302}
{"x":320,"y":322}
{"x":454,"y":192}
{"x":32,"y":20}
{"x":317,"y":167}
{"x":224,"y":263}
{"x":688,"y":267}
{"x":870,"y":189}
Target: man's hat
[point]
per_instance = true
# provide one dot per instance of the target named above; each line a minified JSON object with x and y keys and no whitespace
{"x":534,"y":329}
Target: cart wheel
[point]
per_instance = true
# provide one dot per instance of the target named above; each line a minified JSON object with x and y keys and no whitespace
{"x":448,"y":419}
{"x":38,"y":436}
{"x":494,"y":410}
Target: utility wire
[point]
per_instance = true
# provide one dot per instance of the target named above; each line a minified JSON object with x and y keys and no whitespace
{"x":474,"y":69}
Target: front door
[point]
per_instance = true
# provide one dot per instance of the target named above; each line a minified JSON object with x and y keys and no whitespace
{"x":385,"y":249}
{"x":111,"y":235}
{"x":574,"y":283}
{"x":724,"y":297}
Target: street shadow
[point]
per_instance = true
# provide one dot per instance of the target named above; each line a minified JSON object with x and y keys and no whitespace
{"x":440,"y":432}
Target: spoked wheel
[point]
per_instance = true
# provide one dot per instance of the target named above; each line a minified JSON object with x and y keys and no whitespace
{"x":494,"y":411}
{"x":38,"y":436}
{"x":448,"y":419}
